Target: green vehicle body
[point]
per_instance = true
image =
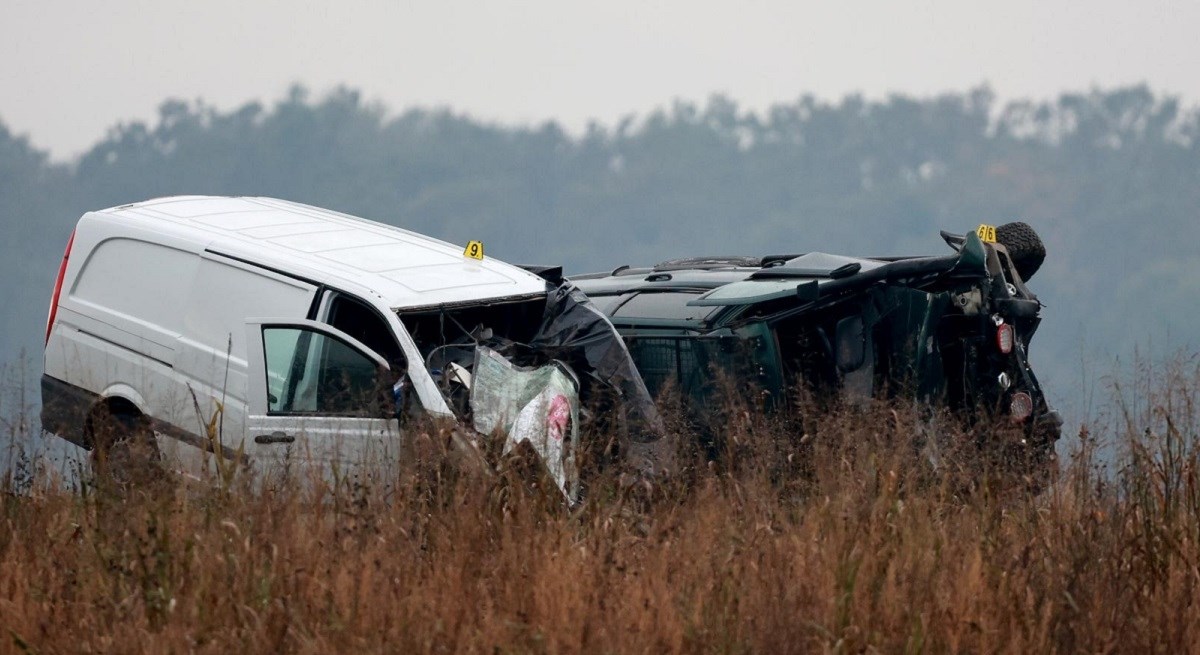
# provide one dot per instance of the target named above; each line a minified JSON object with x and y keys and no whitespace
{"x":925,"y":328}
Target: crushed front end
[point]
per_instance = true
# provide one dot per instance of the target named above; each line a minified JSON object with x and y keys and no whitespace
{"x":525,"y":373}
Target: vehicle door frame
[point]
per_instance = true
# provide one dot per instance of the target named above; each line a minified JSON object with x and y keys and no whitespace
{"x":334,"y":442}
{"x":427,"y":391}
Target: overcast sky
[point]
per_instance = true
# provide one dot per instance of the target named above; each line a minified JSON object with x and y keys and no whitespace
{"x":69,"y":69}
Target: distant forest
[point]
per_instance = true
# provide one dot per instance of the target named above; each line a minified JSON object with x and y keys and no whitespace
{"x":1110,"y":178}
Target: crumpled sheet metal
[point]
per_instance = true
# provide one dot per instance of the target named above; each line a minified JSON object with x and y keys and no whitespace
{"x":572,"y":324}
{"x":535,"y":405}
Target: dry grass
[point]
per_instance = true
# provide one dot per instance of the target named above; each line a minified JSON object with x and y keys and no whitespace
{"x":865,"y":548}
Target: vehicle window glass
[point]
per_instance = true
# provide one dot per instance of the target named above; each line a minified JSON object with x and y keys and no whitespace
{"x":692,"y":363}
{"x":311,"y":372}
{"x":668,"y":305}
{"x":279,"y":348}
{"x":361,"y":322}
{"x":607,"y":304}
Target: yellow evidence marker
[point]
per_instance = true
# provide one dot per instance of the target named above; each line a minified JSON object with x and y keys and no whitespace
{"x":474,"y":250}
{"x":985,"y":232}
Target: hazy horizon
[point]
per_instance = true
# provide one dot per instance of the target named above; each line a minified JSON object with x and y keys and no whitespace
{"x":74,"y":69}
{"x":574,"y":129}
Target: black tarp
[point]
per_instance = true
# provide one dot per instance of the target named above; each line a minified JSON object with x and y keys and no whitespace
{"x":574,"y":331}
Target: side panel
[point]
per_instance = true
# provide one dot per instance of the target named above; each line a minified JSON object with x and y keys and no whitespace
{"x":134,"y":286}
{"x":119,"y":316}
{"x":211,"y":348}
{"x":155,"y":316}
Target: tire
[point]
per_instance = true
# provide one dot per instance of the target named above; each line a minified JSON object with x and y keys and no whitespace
{"x":124,"y":452}
{"x":1024,"y":246}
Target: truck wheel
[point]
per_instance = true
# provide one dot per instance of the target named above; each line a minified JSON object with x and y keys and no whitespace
{"x":1024,"y":247}
{"x":124,"y":452}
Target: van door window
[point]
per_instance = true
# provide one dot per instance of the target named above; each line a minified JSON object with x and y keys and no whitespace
{"x":313,"y":373}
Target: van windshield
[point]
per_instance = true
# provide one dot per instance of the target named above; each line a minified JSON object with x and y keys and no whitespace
{"x":447,"y":339}
{"x":516,"y":321}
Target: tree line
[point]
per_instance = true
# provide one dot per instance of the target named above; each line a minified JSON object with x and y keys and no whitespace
{"x":1110,"y":178}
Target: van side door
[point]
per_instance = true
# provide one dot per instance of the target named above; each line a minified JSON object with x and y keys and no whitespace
{"x":317,"y":398}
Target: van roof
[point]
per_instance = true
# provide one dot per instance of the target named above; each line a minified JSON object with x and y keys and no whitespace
{"x":407,"y":270}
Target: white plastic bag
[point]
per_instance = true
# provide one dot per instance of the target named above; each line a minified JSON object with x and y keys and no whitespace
{"x":536,"y":405}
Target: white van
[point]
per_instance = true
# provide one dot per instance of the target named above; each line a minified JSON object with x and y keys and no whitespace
{"x":276,"y":330}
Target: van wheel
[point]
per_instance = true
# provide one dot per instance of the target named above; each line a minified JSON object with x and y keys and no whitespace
{"x":124,"y":452}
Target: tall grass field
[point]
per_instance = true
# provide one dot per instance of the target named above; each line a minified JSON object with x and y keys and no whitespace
{"x":878,"y":528}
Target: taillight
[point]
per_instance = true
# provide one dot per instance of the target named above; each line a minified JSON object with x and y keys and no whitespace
{"x":1021,"y":406}
{"x":1005,"y":337}
{"x":58,"y":281}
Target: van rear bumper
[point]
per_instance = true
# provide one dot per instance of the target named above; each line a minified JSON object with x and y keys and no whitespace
{"x":65,"y":410}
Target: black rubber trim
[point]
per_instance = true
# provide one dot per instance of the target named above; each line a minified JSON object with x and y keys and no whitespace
{"x":193,"y":439}
{"x":65,"y":409}
{"x":315,"y":306}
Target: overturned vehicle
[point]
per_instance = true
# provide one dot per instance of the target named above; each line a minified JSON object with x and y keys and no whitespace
{"x":263,"y":332}
{"x":952,"y":330}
